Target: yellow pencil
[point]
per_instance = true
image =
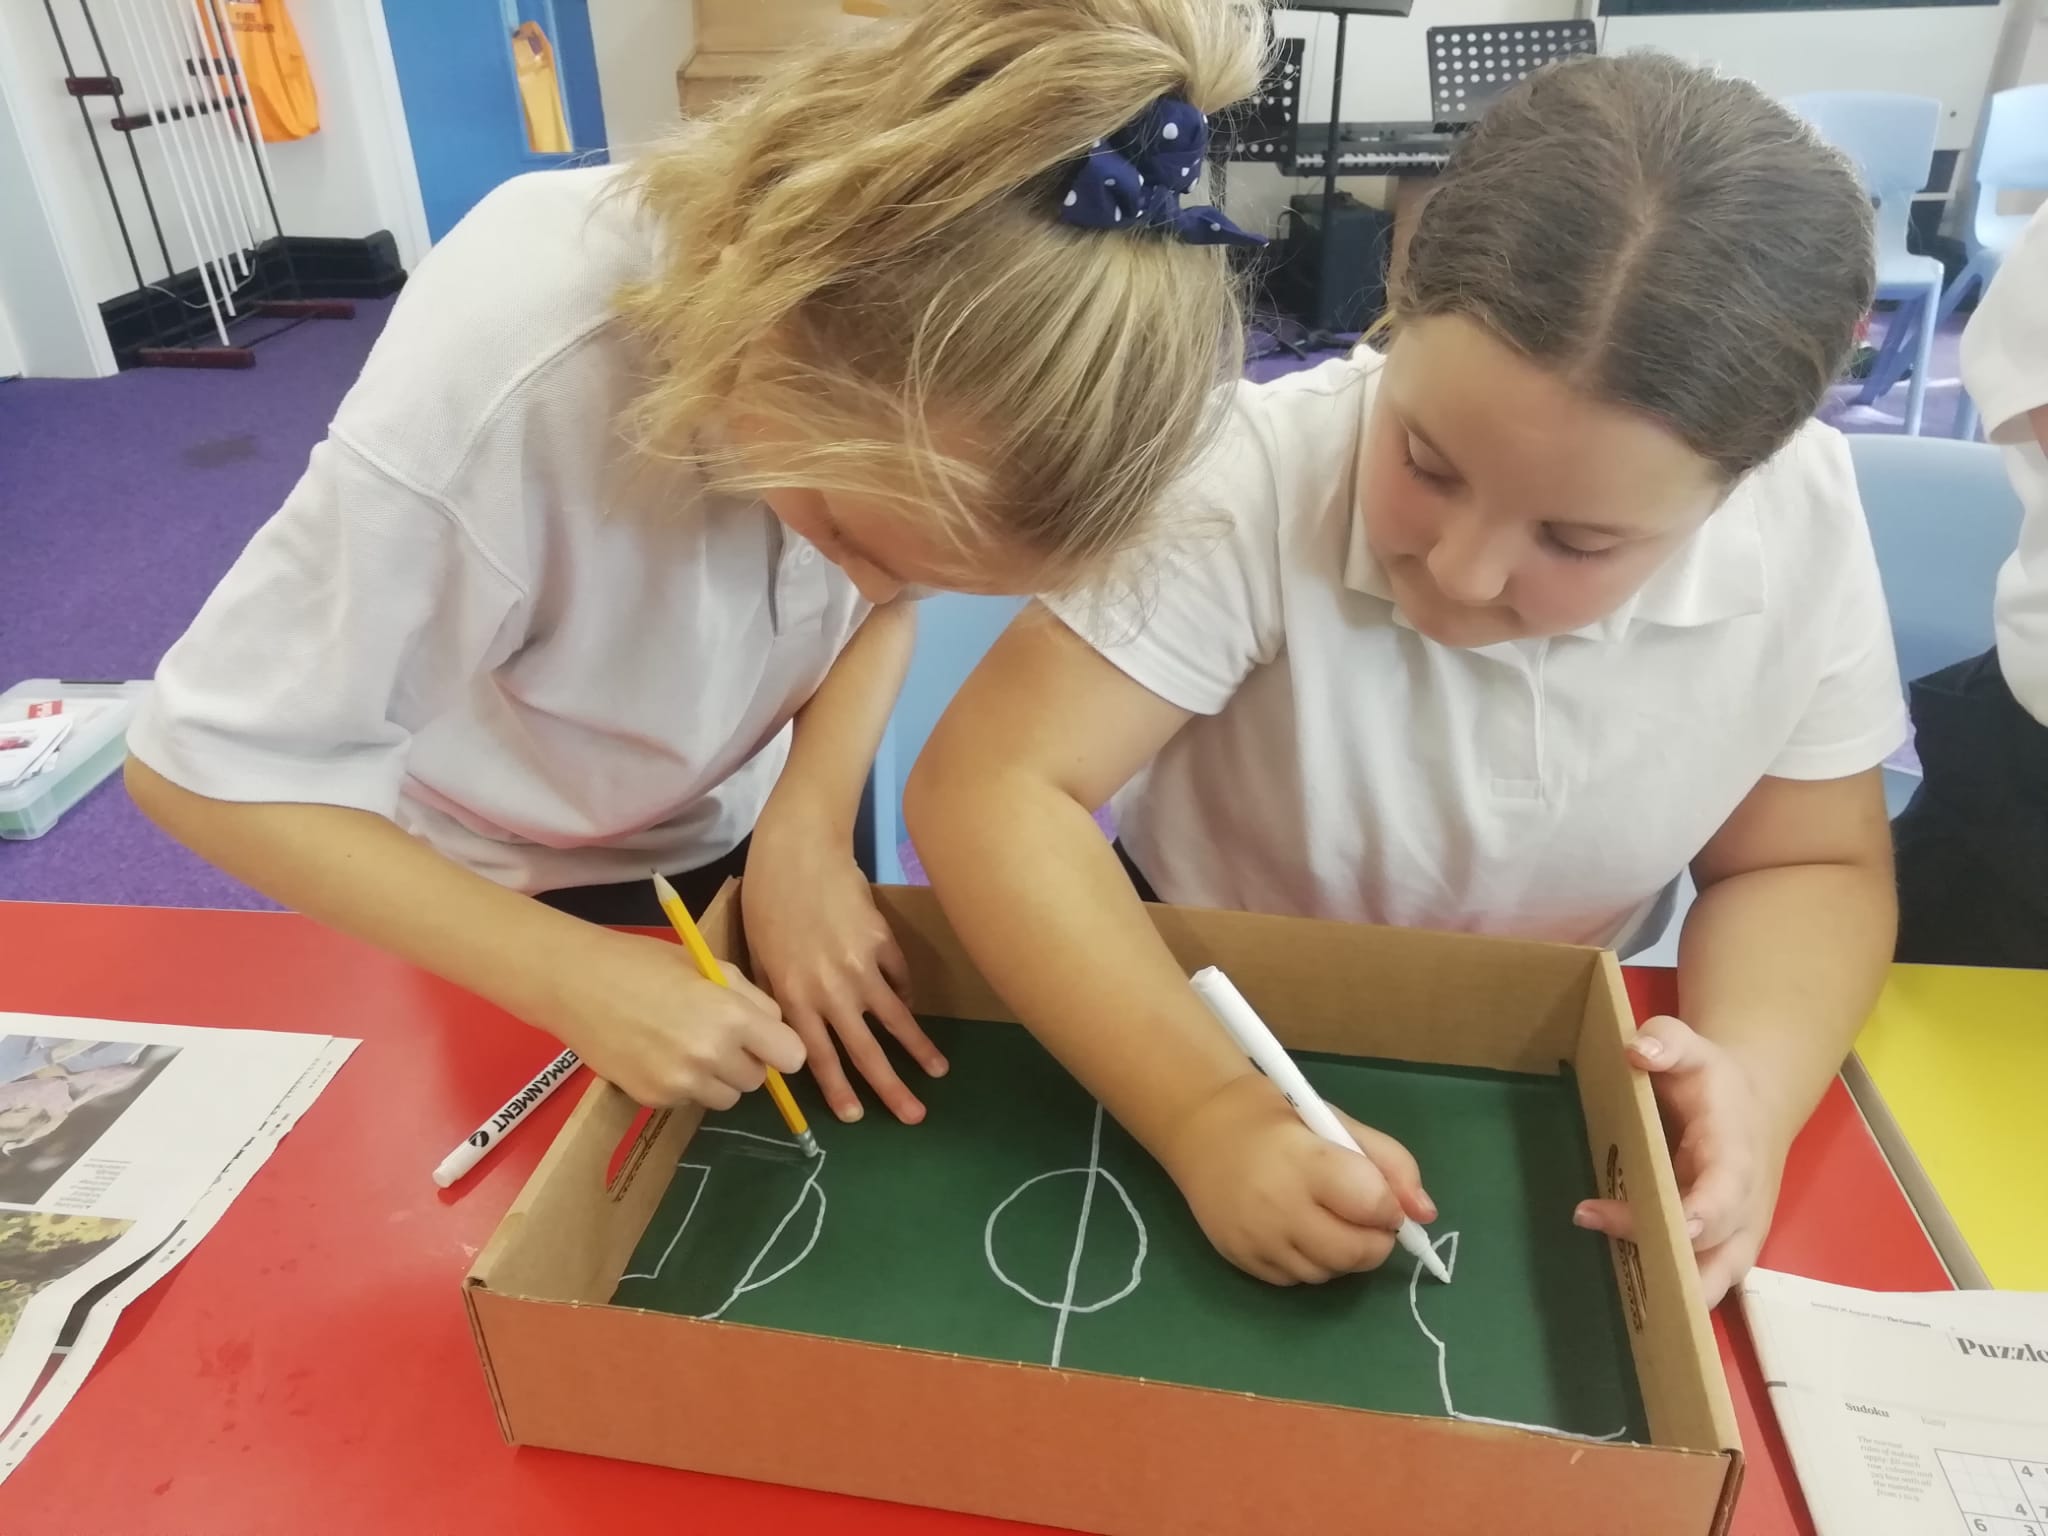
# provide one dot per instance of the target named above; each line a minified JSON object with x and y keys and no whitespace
{"x":686,"y":929}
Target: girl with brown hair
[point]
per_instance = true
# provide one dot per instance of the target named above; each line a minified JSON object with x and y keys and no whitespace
{"x":1501,"y":630}
{"x":598,"y":570}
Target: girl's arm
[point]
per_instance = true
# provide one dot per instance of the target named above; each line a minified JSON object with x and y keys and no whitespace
{"x":635,"y":1009}
{"x":1780,"y":962}
{"x":812,"y":927}
{"x":1001,"y":805}
{"x":835,"y":735}
{"x":1787,"y":948}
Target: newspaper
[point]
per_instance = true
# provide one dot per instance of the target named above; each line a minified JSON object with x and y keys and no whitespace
{"x":1908,"y":1414}
{"x":120,"y":1145}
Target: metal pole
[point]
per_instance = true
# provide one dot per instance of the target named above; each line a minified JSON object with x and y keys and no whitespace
{"x":134,"y":156}
{"x":258,"y":151}
{"x":253,"y":133}
{"x":191,"y":137}
{"x":173,"y":162}
{"x":205,"y":128}
{"x":229,"y":91}
{"x":1336,"y":133}
{"x":93,"y":138}
{"x":227,"y":154}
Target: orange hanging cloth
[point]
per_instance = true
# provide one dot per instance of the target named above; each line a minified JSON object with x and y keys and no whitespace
{"x":540,"y":91}
{"x":275,"y":76}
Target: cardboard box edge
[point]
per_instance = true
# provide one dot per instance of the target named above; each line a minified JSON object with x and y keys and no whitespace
{"x":1731,"y":1492}
{"x":589,"y":1104}
{"x":836,"y":1354}
{"x":1665,"y":1230}
{"x":470,"y":1287}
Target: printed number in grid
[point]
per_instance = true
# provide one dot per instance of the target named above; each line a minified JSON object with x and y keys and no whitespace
{"x":1997,"y":1495}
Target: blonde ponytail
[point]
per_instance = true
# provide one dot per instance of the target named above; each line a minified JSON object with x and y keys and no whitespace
{"x":868,"y":246}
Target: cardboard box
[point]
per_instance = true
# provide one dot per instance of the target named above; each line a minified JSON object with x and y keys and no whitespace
{"x":1103,"y":1453}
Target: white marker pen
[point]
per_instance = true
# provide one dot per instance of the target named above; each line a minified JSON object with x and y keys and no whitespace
{"x":1270,"y":1057}
{"x":488,"y":1135}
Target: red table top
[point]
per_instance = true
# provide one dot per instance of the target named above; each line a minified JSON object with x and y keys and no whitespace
{"x":309,"y":1366}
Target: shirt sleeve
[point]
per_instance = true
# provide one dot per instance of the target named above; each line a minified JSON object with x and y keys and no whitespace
{"x":1856,"y":715}
{"x":356,"y":615}
{"x":1201,"y":609}
{"x":2005,"y":347}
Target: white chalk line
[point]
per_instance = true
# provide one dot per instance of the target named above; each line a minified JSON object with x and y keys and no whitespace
{"x":705,"y":1170}
{"x":747,"y":1280}
{"x":1443,"y":1369}
{"x":1059,"y":1333}
{"x":1066,"y":1306}
{"x":988,"y":1232}
{"x":655,"y":1273}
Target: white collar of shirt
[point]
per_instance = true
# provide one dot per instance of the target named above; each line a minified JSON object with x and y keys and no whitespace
{"x":1718,"y":574}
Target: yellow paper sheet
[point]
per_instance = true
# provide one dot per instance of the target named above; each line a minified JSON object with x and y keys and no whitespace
{"x":1960,"y":1059}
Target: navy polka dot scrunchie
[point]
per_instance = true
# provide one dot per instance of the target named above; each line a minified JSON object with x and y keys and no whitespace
{"x":1134,"y":179}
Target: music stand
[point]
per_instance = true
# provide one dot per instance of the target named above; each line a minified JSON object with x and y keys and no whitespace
{"x":1470,"y":66}
{"x":1343,"y":10}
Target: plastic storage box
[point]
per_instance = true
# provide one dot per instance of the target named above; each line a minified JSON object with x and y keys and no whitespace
{"x":92,"y":751}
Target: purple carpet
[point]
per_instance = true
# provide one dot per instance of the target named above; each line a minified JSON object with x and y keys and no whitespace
{"x":122,"y":502}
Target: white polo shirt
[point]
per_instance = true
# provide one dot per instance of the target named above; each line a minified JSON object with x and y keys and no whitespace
{"x":1344,"y":766}
{"x":481,"y":615}
{"x":2005,"y":369}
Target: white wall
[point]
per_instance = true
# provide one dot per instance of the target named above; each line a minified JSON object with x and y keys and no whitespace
{"x":354,"y":177}
{"x":80,"y":221}
{"x":640,"y":45}
{"x":1945,"y":52}
{"x":54,"y":331}
{"x":10,"y":349}
{"x":2033,"y":68}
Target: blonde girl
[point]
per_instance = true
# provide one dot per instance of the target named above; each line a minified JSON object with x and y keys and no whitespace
{"x":599,"y":568}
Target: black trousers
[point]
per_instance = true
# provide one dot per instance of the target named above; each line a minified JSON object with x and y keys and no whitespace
{"x":633,"y":904}
{"x":1973,"y":846}
{"x":1138,"y":880}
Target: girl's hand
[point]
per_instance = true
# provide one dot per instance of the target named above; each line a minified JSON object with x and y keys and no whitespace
{"x":1727,"y":1156}
{"x":1280,"y":1202}
{"x":830,"y":960}
{"x":638,"y":1011}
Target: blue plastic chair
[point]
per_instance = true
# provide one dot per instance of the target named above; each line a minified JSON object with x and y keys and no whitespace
{"x":953,"y":633}
{"x":1890,"y":138}
{"x":1944,"y":517}
{"x":2014,"y":157}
